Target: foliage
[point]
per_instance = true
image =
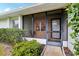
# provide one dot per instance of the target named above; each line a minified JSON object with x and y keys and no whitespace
{"x":73,"y":17}
{"x":10,"y":35}
{"x":76,"y":47}
{"x":27,"y":48}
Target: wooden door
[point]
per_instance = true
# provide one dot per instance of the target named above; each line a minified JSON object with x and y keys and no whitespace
{"x":39,"y":25}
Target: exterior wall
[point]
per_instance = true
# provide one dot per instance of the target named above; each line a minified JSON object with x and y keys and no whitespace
{"x":70,"y":40}
{"x":65,"y":33}
{"x":64,"y":26}
{"x":4,"y":23}
{"x":64,"y":29}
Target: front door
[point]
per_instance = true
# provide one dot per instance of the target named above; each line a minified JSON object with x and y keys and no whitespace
{"x":55,"y":29}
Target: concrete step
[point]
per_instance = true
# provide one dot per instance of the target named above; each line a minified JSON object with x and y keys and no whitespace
{"x":54,"y":43}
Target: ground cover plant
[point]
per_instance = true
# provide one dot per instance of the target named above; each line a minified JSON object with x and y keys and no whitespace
{"x":27,"y":48}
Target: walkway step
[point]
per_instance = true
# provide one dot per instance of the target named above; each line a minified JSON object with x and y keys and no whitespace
{"x":53,"y":51}
{"x":54,"y":43}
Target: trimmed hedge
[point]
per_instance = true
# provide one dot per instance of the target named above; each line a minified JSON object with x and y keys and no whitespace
{"x":10,"y":35}
{"x":27,"y":48}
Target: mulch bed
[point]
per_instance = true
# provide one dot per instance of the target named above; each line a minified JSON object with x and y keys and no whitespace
{"x":68,"y":52}
{"x":7,"y":49}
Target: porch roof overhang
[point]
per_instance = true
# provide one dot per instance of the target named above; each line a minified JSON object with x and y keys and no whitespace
{"x":33,"y":9}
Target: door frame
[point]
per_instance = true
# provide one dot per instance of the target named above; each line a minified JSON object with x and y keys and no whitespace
{"x":56,"y":31}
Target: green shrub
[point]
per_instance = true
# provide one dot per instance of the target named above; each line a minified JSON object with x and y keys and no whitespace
{"x":27,"y":48}
{"x":10,"y":35}
{"x":76,"y":47}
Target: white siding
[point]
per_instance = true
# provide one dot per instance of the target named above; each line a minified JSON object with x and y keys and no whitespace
{"x":7,"y":23}
{"x":4,"y":23}
{"x":70,"y":40}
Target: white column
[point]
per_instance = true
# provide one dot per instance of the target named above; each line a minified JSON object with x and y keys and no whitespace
{"x":20,"y":21}
{"x":8,"y":22}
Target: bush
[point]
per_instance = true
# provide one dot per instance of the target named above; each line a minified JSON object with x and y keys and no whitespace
{"x":27,"y":48}
{"x":76,"y":47}
{"x":10,"y":35}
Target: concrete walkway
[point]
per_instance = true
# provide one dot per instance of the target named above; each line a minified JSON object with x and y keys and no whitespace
{"x":52,"y":51}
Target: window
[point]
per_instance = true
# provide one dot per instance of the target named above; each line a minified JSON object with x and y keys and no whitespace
{"x":15,"y":24}
{"x":55,"y":25}
{"x":43,"y":28}
{"x":37,"y":28}
{"x":40,"y":24}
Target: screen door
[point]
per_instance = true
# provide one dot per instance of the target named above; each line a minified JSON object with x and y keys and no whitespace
{"x":56,"y":28}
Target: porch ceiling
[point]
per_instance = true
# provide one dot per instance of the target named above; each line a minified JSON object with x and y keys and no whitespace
{"x":33,"y":9}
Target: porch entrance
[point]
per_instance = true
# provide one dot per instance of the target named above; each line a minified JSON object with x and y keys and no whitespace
{"x":54,"y":26}
{"x":49,"y":25}
{"x":55,"y":30}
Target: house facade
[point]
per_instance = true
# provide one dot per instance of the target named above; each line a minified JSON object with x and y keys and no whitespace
{"x":43,"y":22}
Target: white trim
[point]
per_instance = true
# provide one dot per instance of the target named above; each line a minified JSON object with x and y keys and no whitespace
{"x":65,"y":44}
{"x":41,"y":41}
{"x":8,"y":22}
{"x":20,"y":22}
